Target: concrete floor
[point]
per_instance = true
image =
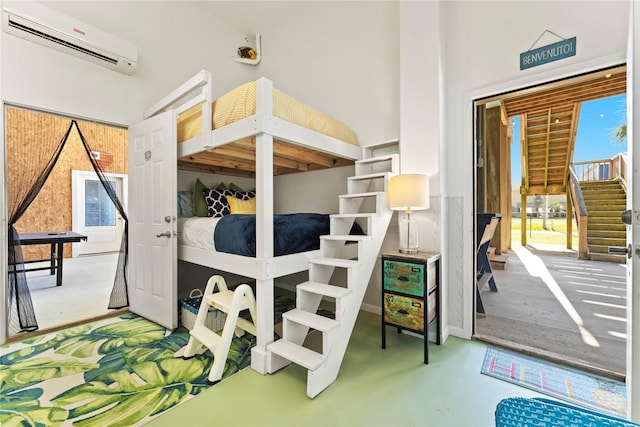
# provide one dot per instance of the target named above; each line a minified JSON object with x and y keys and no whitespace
{"x":548,"y":303}
{"x":375,"y":387}
{"x":555,"y":305}
{"x":86,"y":286}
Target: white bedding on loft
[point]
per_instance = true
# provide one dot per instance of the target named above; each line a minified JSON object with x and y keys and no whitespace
{"x":197,"y":232}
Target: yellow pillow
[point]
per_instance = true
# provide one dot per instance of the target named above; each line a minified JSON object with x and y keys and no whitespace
{"x":239,"y":206}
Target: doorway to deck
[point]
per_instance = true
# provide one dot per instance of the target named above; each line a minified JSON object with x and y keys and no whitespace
{"x":563,"y":300}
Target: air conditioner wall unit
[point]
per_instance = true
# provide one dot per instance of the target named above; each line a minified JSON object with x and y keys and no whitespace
{"x":40,"y":24}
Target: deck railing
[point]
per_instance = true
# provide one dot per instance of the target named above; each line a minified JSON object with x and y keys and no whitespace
{"x":602,"y":170}
{"x":579,"y":209}
{"x":593,"y":170}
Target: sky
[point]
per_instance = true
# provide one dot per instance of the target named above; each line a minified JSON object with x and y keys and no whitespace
{"x":596,"y":125}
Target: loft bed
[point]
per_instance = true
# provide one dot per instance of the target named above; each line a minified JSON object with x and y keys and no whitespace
{"x":255,"y":131}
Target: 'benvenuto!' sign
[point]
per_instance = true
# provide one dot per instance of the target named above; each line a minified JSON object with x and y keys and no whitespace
{"x":549,"y":53}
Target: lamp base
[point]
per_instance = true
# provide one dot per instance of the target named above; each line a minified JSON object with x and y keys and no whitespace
{"x":408,"y":251}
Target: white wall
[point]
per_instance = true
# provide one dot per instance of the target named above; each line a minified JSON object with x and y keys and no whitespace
{"x":338,"y":57}
{"x":3,"y":217}
{"x":483,"y":42}
{"x":165,"y":33}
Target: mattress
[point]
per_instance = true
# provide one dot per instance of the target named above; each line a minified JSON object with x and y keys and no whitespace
{"x":197,"y":232}
{"x":236,"y":234}
{"x":241,"y":102}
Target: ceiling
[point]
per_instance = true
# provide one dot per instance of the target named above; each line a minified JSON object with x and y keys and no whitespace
{"x":601,"y":84}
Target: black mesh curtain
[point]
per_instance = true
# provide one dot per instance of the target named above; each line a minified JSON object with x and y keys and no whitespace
{"x":34,"y":172}
{"x":119,"y":297}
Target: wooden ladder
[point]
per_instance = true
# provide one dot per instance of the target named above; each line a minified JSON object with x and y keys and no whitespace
{"x":342,"y":256}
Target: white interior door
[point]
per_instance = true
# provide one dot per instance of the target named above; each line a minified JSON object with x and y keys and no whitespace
{"x":633,"y":204}
{"x":94,"y":214}
{"x":152,"y":220}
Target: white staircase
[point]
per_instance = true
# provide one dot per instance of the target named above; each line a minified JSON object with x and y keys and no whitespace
{"x":344,"y":256}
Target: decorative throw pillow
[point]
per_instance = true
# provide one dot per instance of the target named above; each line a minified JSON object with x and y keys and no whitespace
{"x":218,"y":205}
{"x":185,"y":203}
{"x":239,"y":206}
{"x":199,"y":202}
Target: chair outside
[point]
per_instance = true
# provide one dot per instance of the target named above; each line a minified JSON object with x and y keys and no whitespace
{"x":484,"y":274}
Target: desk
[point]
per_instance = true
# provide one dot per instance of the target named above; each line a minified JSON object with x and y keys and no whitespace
{"x":57,"y":241}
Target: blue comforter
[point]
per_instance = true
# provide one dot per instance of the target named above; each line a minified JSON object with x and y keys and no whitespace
{"x":292,"y":233}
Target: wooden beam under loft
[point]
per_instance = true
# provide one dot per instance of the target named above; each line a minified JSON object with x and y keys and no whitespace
{"x":238,"y":159}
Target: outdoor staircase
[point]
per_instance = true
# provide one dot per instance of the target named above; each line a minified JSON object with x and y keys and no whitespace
{"x":605,"y":202}
{"x":341,"y":273}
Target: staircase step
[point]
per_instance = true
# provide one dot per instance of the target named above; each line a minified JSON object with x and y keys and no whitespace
{"x":376,"y":159}
{"x":312,"y":320}
{"x":361,"y":195}
{"x":606,"y":206}
{"x":499,"y":262}
{"x":610,"y":220}
{"x":605,"y":212}
{"x":352,"y":215}
{"x":384,"y":144}
{"x":335,"y":262}
{"x":613,"y":192}
{"x":592,"y":227}
{"x":608,"y":234}
{"x":222,"y":301}
{"x":369,"y":176}
{"x":324,"y":289}
{"x":491,"y":252}
{"x":206,"y":336}
{"x":606,"y":241}
{"x":601,"y":249}
{"x":346,"y":237}
{"x":299,"y":355}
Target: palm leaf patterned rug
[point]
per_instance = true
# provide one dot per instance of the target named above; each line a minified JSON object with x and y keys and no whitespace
{"x":119,"y":371}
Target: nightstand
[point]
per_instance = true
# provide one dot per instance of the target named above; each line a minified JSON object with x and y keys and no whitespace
{"x":411,"y":294}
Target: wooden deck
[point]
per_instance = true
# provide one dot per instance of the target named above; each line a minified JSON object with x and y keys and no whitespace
{"x":554,"y":305}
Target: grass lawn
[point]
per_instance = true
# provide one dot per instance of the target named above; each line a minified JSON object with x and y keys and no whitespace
{"x":554,"y":234}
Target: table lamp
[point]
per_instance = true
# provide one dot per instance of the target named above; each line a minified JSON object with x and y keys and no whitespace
{"x":408,"y":193}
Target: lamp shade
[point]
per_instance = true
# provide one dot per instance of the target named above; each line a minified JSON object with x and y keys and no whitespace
{"x":409,"y":192}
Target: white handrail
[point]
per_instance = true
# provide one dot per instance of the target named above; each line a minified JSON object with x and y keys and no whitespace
{"x":182,"y":94}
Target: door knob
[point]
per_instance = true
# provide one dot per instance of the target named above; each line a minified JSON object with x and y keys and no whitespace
{"x":627,"y":217}
{"x":165,"y":234}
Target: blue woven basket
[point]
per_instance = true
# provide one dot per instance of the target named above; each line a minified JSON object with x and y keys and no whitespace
{"x":189,"y":311}
{"x":538,"y":412}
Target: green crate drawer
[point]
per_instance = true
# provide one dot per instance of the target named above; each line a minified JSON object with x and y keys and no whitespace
{"x":404,"y":277}
{"x":405,"y":312}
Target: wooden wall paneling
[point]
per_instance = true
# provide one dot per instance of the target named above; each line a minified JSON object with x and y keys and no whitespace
{"x":481,"y":156}
{"x":505,"y":185}
{"x":52,"y":208}
{"x":493,"y":164}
